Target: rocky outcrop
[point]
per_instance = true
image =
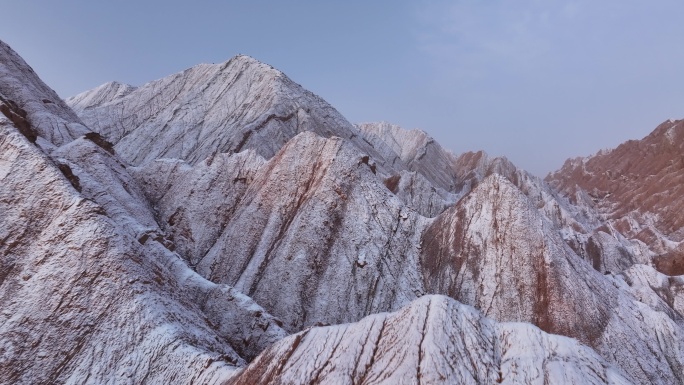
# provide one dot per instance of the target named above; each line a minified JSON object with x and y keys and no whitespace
{"x":434,"y":340}
{"x":413,"y":150}
{"x":72,"y":279}
{"x":419,"y":194}
{"x":34,"y":108}
{"x":659,"y":291}
{"x":580,"y":226}
{"x":193,"y":204}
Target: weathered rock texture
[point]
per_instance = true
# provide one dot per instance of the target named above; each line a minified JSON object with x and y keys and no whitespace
{"x":212,"y":212}
{"x":208,"y":109}
{"x":316,"y":218}
{"x":83,"y":299}
{"x":639,"y":187}
{"x":494,"y":250}
{"x":434,"y":340}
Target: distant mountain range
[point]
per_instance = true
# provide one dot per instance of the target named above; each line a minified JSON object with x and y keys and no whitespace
{"x":223,"y":225}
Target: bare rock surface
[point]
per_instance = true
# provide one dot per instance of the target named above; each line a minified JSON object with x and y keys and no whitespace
{"x":661,"y":292}
{"x":193,"y":204}
{"x":208,"y":109}
{"x":638,"y":186}
{"x":494,"y":250}
{"x":413,"y":150}
{"x":83,"y":300}
{"x":34,"y":108}
{"x":106,"y":93}
{"x":317,"y":220}
{"x":216,"y":210}
{"x":580,"y":225}
{"x":418,"y":193}
{"x":434,"y":340}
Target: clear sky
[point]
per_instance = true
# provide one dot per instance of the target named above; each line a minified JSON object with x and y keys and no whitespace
{"x":536,"y":81}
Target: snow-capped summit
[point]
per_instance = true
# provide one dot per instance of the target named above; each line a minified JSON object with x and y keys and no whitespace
{"x":208,"y":109}
{"x":105,"y":93}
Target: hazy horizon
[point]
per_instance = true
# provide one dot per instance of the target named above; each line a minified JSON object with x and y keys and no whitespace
{"x":537,"y":82}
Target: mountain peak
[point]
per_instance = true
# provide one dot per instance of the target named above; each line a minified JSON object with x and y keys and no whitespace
{"x":208,"y":109}
{"x":99,"y":95}
{"x":246,"y":62}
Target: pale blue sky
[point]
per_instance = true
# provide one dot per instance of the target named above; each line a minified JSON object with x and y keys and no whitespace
{"x":536,"y":81}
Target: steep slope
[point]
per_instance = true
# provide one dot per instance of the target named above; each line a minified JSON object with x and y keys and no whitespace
{"x":494,"y":250}
{"x":34,"y":108}
{"x":83,"y":299}
{"x":106,"y":93}
{"x":208,"y":109}
{"x":193,"y":204}
{"x":413,"y":149}
{"x":315,"y":219}
{"x":434,"y":340}
{"x":299,"y":220}
{"x":581,"y":227}
{"x":419,"y":194}
{"x":659,"y":291}
{"x":244,"y":104}
{"x":639,"y":186}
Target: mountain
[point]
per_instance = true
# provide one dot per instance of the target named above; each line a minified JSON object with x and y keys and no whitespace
{"x":85,"y":299}
{"x":639,"y":188}
{"x":224,"y":225}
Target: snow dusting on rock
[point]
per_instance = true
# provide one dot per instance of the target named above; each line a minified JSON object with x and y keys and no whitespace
{"x":223,"y":225}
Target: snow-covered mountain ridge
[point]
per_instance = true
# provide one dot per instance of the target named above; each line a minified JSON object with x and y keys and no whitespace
{"x":192,"y":223}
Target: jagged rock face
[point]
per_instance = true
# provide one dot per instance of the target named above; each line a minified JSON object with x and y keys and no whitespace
{"x":672,"y":262}
{"x":639,"y":185}
{"x":244,"y":104}
{"x":580,"y":226}
{"x":194,"y":204}
{"x":317,"y":220}
{"x":418,"y":193}
{"x":208,"y":109}
{"x":434,"y":340}
{"x":661,"y":292}
{"x":70,"y":282}
{"x":85,"y":301}
{"x":494,"y":250}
